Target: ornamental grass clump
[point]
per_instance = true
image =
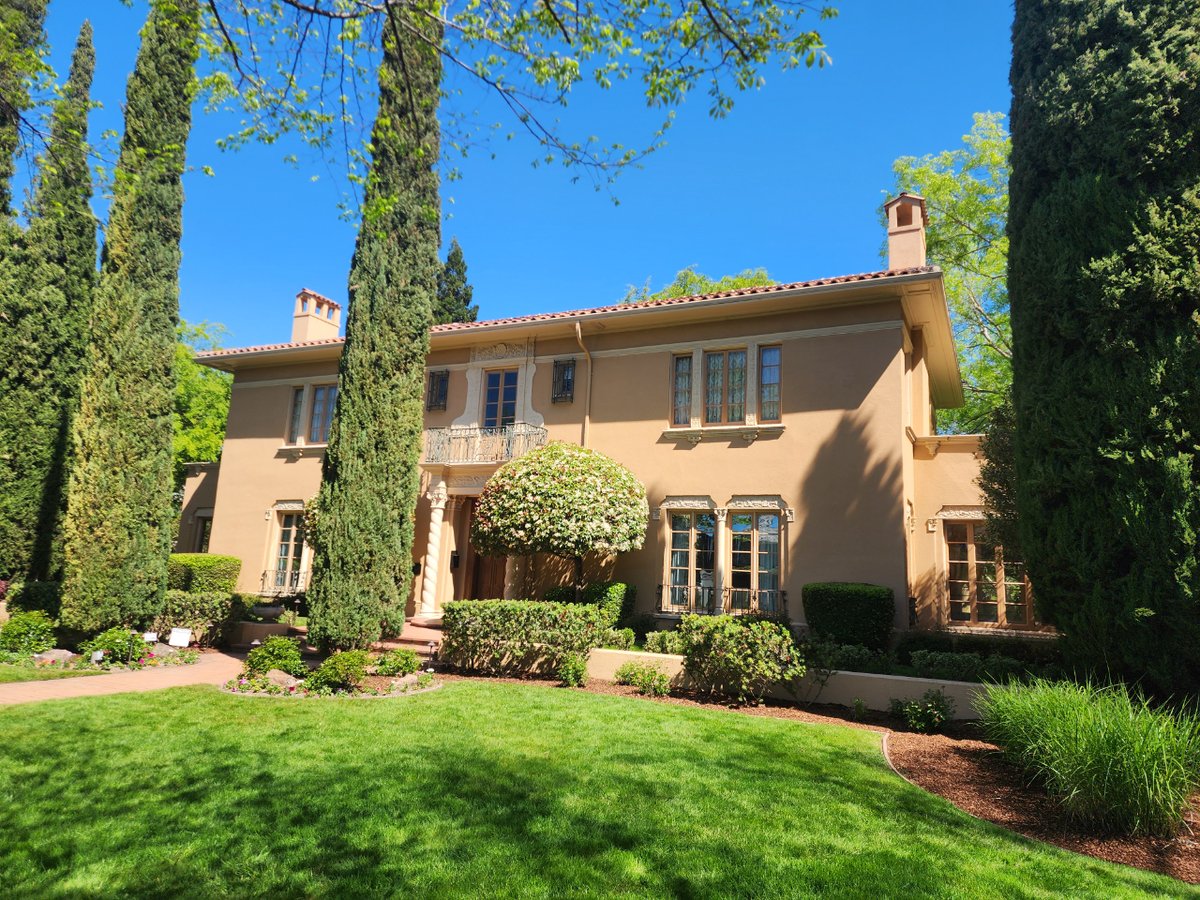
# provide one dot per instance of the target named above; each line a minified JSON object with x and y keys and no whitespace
{"x":1116,"y":763}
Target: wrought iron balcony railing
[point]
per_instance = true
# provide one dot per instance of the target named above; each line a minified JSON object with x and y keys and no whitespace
{"x":471,"y":444}
{"x":675,"y":600}
{"x":284,"y":582}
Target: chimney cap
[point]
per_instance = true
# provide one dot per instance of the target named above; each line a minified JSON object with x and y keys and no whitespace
{"x":916,"y":199}
{"x":309,"y":292}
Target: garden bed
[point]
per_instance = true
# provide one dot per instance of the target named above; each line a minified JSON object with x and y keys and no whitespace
{"x":372,"y":687}
{"x":972,"y":775}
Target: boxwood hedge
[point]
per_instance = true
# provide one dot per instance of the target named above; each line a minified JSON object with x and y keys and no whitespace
{"x":202,"y":573}
{"x":501,"y":637}
{"x":850,"y":613}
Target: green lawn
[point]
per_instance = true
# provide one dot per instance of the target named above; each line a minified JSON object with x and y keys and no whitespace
{"x":10,"y":673}
{"x":485,"y":790}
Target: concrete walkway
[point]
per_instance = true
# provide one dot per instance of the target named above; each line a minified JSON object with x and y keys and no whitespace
{"x":213,"y":668}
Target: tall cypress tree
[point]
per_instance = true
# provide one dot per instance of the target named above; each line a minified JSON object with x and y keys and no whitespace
{"x":119,"y":515}
{"x":363,"y":529}
{"x":45,"y":336}
{"x":1104,"y":279}
{"x":20,"y":40}
{"x":453,"y":290}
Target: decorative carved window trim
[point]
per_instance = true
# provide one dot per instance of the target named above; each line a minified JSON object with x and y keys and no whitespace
{"x":761,"y":502}
{"x":692,"y":502}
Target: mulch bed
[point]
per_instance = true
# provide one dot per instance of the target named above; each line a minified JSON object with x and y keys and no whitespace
{"x":968,"y":772}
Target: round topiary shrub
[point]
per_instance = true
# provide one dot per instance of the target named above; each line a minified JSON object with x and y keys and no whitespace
{"x":563,"y":500}
{"x":276,"y":652}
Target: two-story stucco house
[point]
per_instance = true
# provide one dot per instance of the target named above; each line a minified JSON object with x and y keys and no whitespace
{"x":784,"y":435}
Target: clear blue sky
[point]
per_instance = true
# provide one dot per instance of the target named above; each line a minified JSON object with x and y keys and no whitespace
{"x":790,"y":181}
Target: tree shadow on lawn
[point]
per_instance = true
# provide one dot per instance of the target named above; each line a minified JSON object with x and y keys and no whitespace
{"x":476,"y":794}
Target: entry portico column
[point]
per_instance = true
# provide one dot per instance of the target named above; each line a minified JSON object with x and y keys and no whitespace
{"x":719,"y":559}
{"x":433,"y":549}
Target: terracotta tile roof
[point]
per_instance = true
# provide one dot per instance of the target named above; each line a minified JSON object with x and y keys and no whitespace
{"x":615,"y":307}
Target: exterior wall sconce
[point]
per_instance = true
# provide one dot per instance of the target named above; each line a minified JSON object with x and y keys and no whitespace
{"x":454,"y":559}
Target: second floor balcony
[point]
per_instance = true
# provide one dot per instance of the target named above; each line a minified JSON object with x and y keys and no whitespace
{"x":471,"y":444}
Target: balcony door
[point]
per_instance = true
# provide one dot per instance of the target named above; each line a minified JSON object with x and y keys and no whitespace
{"x":499,"y":398}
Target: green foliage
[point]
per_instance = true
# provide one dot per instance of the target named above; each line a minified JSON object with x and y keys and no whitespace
{"x":1104,"y":227}
{"x":35,"y":595}
{"x":21,"y":48}
{"x":210,"y":615}
{"x":397,"y":662}
{"x":740,"y":660}
{"x":203,"y":573}
{"x":572,"y":669}
{"x":121,"y":647}
{"x":664,"y":642}
{"x":1032,"y":652}
{"x":927,"y":714}
{"x":620,"y":638}
{"x":564,"y":500}
{"x":276,"y":652}
{"x":120,"y":512}
{"x":965,"y":666}
{"x":688,"y":282}
{"x":845,"y":657}
{"x":363,"y":535}
{"x":342,"y":671}
{"x":641,"y":623}
{"x":500,"y":637}
{"x":454,"y":292}
{"x":966,"y":193}
{"x":46,"y":281}
{"x":998,"y":480}
{"x":201,"y":398}
{"x":850,"y":613}
{"x":615,"y":599}
{"x":27,"y":632}
{"x":1113,"y":761}
{"x":648,"y":678}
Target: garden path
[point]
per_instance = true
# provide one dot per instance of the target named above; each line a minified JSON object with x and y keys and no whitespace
{"x":213,"y":668}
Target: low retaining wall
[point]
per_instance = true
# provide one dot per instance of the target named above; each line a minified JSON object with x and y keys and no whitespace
{"x":246,"y":633}
{"x":843,"y":688}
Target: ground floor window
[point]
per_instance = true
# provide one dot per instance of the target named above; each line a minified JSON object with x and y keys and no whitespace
{"x":985,"y":588}
{"x":690,"y":580}
{"x":754,"y":562}
{"x":202,"y":532}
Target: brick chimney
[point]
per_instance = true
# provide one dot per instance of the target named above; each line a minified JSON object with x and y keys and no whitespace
{"x":907,"y":220}
{"x":315,"y":318}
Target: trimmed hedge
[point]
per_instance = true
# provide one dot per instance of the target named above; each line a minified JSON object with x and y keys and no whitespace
{"x":1035,"y":652}
{"x":203,"y":573}
{"x":614,"y":598}
{"x":210,"y":615}
{"x":501,"y":637}
{"x":35,"y":596}
{"x":740,"y":659}
{"x":850,"y":613}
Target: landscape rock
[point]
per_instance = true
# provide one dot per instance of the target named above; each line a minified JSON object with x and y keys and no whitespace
{"x":406,"y":680}
{"x":282,"y":678}
{"x":161,"y":649}
{"x":57,"y":657}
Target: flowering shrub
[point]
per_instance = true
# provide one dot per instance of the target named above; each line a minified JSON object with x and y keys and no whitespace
{"x":27,"y":632}
{"x":740,"y":659}
{"x":120,"y":646}
{"x":560,"y":499}
{"x":517,"y":636}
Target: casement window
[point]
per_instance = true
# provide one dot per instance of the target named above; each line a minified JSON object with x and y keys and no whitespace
{"x":690,"y":576}
{"x":681,"y":390}
{"x":985,"y":588}
{"x":324,"y":396}
{"x":289,"y":552}
{"x":437,"y":392}
{"x":564,"y":381}
{"x":725,"y":387}
{"x":202,"y":532}
{"x":500,"y":398}
{"x":769,"y":406}
{"x":755,"y":560}
{"x":296,"y":416}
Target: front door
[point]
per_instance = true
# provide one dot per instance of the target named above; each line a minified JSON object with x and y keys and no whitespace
{"x":488,"y":583}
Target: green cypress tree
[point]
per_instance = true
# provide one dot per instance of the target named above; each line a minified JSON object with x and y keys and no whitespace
{"x":45,"y":336}
{"x":120,"y":513}
{"x":1104,"y":281}
{"x":363,"y":529}
{"x":453,"y":290}
{"x":20,"y":60}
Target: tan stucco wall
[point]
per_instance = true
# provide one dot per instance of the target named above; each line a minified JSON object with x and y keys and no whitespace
{"x":199,"y":496}
{"x":843,"y":464}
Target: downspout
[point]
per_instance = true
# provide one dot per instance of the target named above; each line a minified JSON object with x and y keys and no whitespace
{"x":587,"y":397}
